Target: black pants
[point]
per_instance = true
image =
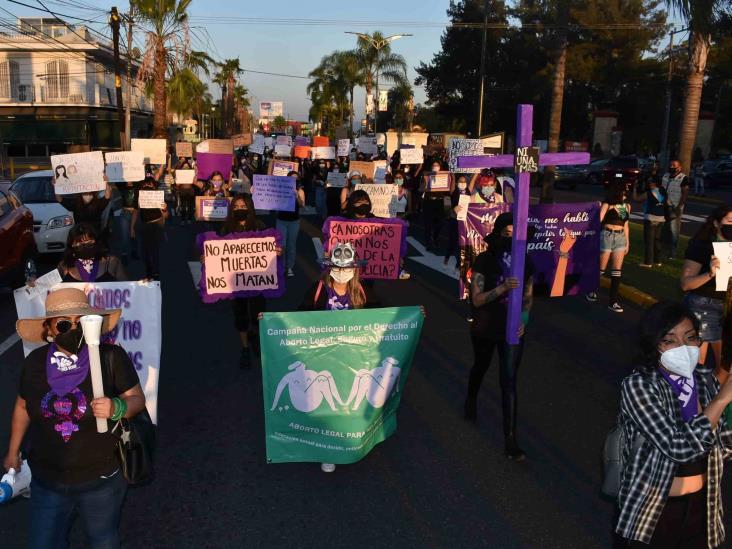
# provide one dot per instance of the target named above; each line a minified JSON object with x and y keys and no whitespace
{"x":452,"y":240}
{"x":652,"y":233}
{"x":152,"y":235}
{"x":433,"y":211}
{"x":187,"y":197}
{"x":246,"y":310}
{"x":508,"y":364}
{"x":682,"y":524}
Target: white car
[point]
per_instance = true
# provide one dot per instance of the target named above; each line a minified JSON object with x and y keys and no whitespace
{"x":51,"y":221}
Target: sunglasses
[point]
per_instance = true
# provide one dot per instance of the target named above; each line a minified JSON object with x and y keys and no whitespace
{"x":63,"y":325}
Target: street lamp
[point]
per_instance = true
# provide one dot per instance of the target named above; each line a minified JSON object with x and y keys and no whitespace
{"x":213,"y":123}
{"x":377,"y":45}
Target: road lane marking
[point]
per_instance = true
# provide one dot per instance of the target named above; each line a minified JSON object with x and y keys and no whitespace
{"x":8,"y":343}
{"x":434,"y":262}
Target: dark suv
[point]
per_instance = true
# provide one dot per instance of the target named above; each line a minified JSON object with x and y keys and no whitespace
{"x":626,"y":169}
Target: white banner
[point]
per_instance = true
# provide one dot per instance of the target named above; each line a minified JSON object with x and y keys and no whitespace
{"x":139,"y":330}
{"x":384,"y":198}
{"x":411,"y":156}
{"x":283,"y":150}
{"x":185,"y":177}
{"x":336,"y":179}
{"x":153,"y":150}
{"x":151,"y":199}
{"x":323,"y":153}
{"x":257,"y":145}
{"x":78,"y":173}
{"x":367,"y":145}
{"x":344,"y":147}
{"x":125,"y":166}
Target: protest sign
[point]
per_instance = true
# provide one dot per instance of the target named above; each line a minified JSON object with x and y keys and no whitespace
{"x":463,"y":204}
{"x":380,"y":174}
{"x":336,"y":179}
{"x":392,"y":143}
{"x":258,"y":144}
{"x":209,"y":208}
{"x":241,"y":265}
{"x":302,"y":151}
{"x":367,"y":145}
{"x":138,"y":331}
{"x":380,"y":242}
{"x":723,"y":252}
{"x":358,"y":360}
{"x":78,"y":173}
{"x":321,"y":141}
{"x":573,"y":226}
{"x":217,"y":146}
{"x":124,"y":166}
{"x":185,"y":177}
{"x":151,"y":199}
{"x":282,"y":167}
{"x":464,"y":147}
{"x":439,"y":181}
{"x":272,"y":192}
{"x":184,"y":149}
{"x":154,"y":151}
{"x":366,"y":169}
{"x":284,"y":140}
{"x":344,"y":147}
{"x":384,"y":198}
{"x":208,"y":163}
{"x":282,"y":150}
{"x":269,"y":142}
{"x":241,"y":140}
{"x":323,"y":153}
{"x":302,"y":141}
{"x":416,"y":139}
{"x":411,"y":156}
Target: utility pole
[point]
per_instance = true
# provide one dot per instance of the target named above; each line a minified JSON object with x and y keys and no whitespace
{"x":114,"y":20}
{"x":482,"y":69}
{"x":128,"y":102}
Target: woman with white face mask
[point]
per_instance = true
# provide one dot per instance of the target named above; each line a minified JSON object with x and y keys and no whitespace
{"x":670,"y":487}
{"x":457,"y":189}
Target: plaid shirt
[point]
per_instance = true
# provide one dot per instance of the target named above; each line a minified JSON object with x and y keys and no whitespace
{"x":649,"y":406}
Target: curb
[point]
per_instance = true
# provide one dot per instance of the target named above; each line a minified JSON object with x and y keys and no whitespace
{"x":632,"y":294}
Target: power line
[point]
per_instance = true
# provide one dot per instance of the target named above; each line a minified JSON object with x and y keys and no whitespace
{"x":58,"y":17}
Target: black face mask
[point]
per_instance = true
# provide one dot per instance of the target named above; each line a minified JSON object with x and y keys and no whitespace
{"x":726,"y":232}
{"x":86,"y":251}
{"x":505,"y":242}
{"x":240,"y":215}
{"x":362,"y":209}
{"x":675,"y":171}
{"x":70,"y":340}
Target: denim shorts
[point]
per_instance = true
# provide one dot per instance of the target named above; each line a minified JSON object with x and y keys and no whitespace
{"x":710,"y":314}
{"x":612,"y":241}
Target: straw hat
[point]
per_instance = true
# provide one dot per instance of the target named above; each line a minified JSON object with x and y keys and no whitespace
{"x":64,"y":302}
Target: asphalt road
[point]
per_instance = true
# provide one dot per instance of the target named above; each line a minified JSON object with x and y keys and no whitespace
{"x":439,"y":482}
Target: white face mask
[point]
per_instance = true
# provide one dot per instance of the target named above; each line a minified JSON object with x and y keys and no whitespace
{"x":87,"y":198}
{"x":462,"y":186}
{"x":488,"y":190}
{"x":681,"y":361}
{"x":342,"y":276}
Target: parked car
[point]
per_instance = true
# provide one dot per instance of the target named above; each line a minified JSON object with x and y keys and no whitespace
{"x":626,"y":169}
{"x":594,"y":171}
{"x":17,"y":244}
{"x":571,"y":175}
{"x":717,"y":172}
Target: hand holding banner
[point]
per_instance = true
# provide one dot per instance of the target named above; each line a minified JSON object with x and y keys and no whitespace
{"x":124,"y":166}
{"x":78,"y":173}
{"x":154,"y":151}
{"x":271,"y":192}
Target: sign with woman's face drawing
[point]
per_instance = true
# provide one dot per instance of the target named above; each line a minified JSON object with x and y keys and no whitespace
{"x":78,"y":173}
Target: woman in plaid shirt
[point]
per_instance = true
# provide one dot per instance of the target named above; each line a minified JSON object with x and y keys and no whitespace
{"x":670,"y":492}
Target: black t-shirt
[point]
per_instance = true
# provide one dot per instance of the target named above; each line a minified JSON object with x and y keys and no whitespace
{"x":128,"y":194}
{"x":91,"y":212}
{"x":489,"y":321}
{"x":291,"y":216}
{"x":701,"y":251}
{"x":87,"y":455}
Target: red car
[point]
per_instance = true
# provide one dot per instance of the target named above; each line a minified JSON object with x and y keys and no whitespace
{"x":17,"y":244}
{"x":623,"y":169}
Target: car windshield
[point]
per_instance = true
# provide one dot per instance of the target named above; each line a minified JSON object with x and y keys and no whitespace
{"x":623,"y":163}
{"x":35,"y":190}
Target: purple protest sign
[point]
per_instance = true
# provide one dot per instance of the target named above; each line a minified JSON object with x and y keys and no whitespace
{"x":208,"y":163}
{"x":302,"y":141}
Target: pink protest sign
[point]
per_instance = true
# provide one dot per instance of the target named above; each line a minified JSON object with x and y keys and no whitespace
{"x":379,"y":242}
{"x":241,"y":265}
{"x":208,"y":163}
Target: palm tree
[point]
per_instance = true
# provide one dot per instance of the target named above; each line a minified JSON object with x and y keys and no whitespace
{"x":400,"y":100}
{"x":229,"y":70}
{"x":184,"y":92}
{"x":327,"y":92}
{"x":345,"y":65}
{"x":166,"y":26}
{"x":701,"y":17}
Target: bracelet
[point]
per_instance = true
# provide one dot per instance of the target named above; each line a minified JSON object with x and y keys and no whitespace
{"x":564,"y":255}
{"x":120,"y":408}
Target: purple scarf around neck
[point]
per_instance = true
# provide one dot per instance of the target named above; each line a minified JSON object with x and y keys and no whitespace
{"x":64,"y":372}
{"x":87,"y":275}
{"x":686,"y":392}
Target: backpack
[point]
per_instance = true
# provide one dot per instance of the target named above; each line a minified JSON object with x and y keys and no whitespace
{"x":613,"y":463}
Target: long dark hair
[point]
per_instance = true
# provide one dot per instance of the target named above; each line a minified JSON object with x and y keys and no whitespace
{"x":656,"y":323}
{"x":231,"y":225}
{"x":708,"y":232}
{"x":356,"y":196}
{"x":77,"y":232}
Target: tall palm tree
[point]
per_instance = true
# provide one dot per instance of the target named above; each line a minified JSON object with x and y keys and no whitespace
{"x":166,"y":26}
{"x":345,"y":65}
{"x":400,"y":100}
{"x":184,"y":91}
{"x":229,"y":70}
{"x":701,"y":17}
{"x":327,"y":92}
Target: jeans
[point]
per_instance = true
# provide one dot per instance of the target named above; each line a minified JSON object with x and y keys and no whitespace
{"x":652,"y":231}
{"x":289,"y":230}
{"x":124,"y":241}
{"x":698,"y":185}
{"x":433,"y":210}
{"x":98,"y":503}
{"x":673,"y":229}
{"x":152,"y":234}
{"x":320,"y":205}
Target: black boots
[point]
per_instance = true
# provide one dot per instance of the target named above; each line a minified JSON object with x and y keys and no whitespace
{"x":510,"y":409}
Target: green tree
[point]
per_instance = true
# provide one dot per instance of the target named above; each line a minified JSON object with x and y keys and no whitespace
{"x":166,"y":26}
{"x":279,"y":123}
{"x":229,"y":71}
{"x":399,"y":101}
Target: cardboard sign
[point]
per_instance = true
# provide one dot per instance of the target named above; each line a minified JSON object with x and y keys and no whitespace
{"x":78,"y":173}
{"x":366,"y":169}
{"x":392,"y":143}
{"x":208,"y":163}
{"x":216,"y":146}
{"x":367,"y":145}
{"x":526,"y":160}
{"x":439,"y":182}
{"x":463,"y":205}
{"x":302,"y":151}
{"x":283,"y":150}
{"x":336,"y":180}
{"x":282,"y":167}
{"x":271,"y":192}
{"x":302,"y":141}
{"x":723,"y":252}
{"x":241,"y":140}
{"x":344,"y":147}
{"x":464,"y":147}
{"x":257,"y":146}
{"x":321,"y":141}
{"x":209,"y":208}
{"x":411,"y":156}
{"x":323,"y":153}
{"x":184,"y":149}
{"x":380,"y":242}
{"x":268,"y":142}
{"x":284,"y":140}
{"x":151,"y":199}
{"x":384,"y":198}
{"x":241,"y":265}
{"x":153,"y":150}
{"x":124,"y":166}
{"x":185,"y":177}
{"x":416,"y":139}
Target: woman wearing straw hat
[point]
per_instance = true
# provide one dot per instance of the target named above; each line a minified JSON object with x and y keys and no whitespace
{"x":74,"y":467}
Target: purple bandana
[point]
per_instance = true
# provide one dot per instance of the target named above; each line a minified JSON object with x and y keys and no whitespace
{"x":337,"y":302}
{"x":87,"y":269}
{"x":686,"y":392}
{"x":63,"y":372}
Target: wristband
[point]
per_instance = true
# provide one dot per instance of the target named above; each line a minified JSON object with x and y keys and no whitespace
{"x":120,"y":408}
{"x":564,"y":255}
{"x":525,"y":317}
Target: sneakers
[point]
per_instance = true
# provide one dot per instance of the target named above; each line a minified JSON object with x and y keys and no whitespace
{"x":514,"y":451}
{"x":645,"y":265}
{"x":290,"y":273}
{"x":404,"y":275}
{"x":327,"y":467}
{"x":591,"y":297}
{"x":615,"y":307}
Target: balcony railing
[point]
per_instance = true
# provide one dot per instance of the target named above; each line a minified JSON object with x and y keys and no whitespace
{"x":98,"y":96}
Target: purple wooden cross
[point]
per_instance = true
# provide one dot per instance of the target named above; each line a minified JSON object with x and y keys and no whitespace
{"x":524,"y":120}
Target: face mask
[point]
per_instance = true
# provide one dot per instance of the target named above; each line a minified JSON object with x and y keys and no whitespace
{"x":487,"y":191}
{"x":342,"y":276}
{"x":240,"y":215}
{"x":356,"y":180}
{"x":362,"y":209}
{"x":675,"y":171}
{"x":435,"y":168}
{"x":87,"y":198}
{"x":86,"y":251}
{"x":462,"y":186}
{"x":726,"y":232}
{"x":681,"y":361}
{"x":406,"y":170}
{"x":217,"y":184}
{"x":71,"y":340}
{"x":399,"y":181}
{"x":506,"y":242}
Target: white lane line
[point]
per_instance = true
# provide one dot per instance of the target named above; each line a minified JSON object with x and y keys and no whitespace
{"x":9,"y":342}
{"x":687,"y":218}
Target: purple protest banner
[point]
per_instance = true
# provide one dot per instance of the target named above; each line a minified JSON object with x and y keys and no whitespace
{"x":208,"y":163}
{"x":302,"y":141}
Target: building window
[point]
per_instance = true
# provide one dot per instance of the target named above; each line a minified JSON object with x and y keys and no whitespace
{"x":9,"y":79}
{"x":57,"y":79}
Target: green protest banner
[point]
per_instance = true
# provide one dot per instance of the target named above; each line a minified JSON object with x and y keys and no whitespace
{"x":333,"y":380}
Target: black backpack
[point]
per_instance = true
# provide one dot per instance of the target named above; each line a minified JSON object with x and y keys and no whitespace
{"x":612,"y":457}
